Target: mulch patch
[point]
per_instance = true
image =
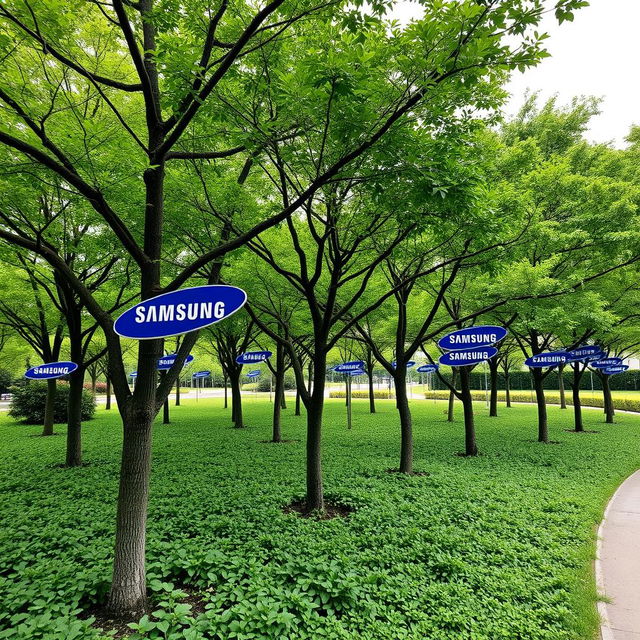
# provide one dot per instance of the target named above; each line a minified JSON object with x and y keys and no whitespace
{"x":331,"y":510}
{"x":117,"y":628}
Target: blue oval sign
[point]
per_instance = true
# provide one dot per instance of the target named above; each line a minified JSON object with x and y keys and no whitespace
{"x":472,"y":338}
{"x":549,"y":359}
{"x":166,"y":362}
{"x":345,"y":367}
{"x":254,"y":374}
{"x":617,"y":369}
{"x":357,"y":372}
{"x":410,"y":364}
{"x":133,"y":374}
{"x":604,"y":363}
{"x":253,"y":356}
{"x":584,"y":353}
{"x":467,"y":357}
{"x":427,"y":368}
{"x":50,"y":370}
{"x":201,"y":374}
{"x":177,"y":312}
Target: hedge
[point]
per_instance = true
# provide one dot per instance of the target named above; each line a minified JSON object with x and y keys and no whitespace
{"x":380,"y":395}
{"x":587,"y":399}
{"x":28,"y":403}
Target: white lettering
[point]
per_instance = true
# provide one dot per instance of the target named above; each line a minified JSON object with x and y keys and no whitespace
{"x":139,"y":314}
{"x":166,"y":313}
{"x":192,"y":311}
{"x":218,"y":310}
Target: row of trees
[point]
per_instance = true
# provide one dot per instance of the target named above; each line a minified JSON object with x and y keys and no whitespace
{"x":337,"y":167}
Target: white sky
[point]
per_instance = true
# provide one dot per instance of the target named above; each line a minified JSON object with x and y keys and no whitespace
{"x":597,"y":54}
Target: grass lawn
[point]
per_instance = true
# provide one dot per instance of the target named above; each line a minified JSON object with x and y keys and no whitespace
{"x":496,"y":547}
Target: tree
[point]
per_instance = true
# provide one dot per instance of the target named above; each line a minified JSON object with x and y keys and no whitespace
{"x":165,"y":96}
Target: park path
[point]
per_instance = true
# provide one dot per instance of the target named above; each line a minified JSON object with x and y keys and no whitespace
{"x":618,"y":563}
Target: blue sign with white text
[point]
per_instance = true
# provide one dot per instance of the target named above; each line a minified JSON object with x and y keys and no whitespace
{"x":345,"y":367}
{"x":427,"y":368}
{"x":585,"y":353}
{"x":133,"y":374}
{"x":166,"y":362}
{"x":253,"y":356}
{"x":181,"y":311}
{"x":472,"y":337}
{"x":410,"y":364}
{"x":616,"y":369}
{"x":201,"y":374}
{"x":254,"y":374}
{"x":604,"y":363}
{"x":550,"y":359}
{"x":50,"y":370}
{"x":357,"y":372}
{"x":467,"y":357}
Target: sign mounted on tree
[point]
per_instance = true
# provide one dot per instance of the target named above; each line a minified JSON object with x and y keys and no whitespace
{"x":584,"y":353}
{"x":254,"y":374}
{"x":253,"y":356}
{"x":550,"y":359}
{"x":178,"y":312}
{"x":50,"y":370}
{"x":346,"y":367}
{"x":467,"y":357}
{"x":201,"y":374}
{"x":605,"y":363}
{"x":166,"y":362}
{"x":427,"y":368}
{"x":616,"y":369}
{"x":472,"y":337}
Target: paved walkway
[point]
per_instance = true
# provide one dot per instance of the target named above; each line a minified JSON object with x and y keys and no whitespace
{"x":618,"y":563}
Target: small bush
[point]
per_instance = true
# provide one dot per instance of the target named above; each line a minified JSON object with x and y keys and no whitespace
{"x":28,"y":403}
{"x":380,"y":395}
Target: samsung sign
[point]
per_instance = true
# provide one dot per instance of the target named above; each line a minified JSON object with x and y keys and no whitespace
{"x":51,"y":370}
{"x":467,"y":357}
{"x":346,"y":367}
{"x":178,"y":312}
{"x":427,"y":368}
{"x":253,"y":356}
{"x":166,"y":362}
{"x":550,"y":359}
{"x":472,"y":337}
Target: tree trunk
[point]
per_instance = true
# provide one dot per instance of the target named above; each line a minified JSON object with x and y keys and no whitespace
{"x":608,"y":399}
{"x":279,"y":392}
{"x":470,"y":445}
{"x":165,"y":406}
{"x":507,"y":387}
{"x":452,"y":396}
{"x":315,"y":491}
{"x":577,"y":407}
{"x":493,"y":396}
{"x":563,"y":399}
{"x":543,"y":428}
{"x":236,"y":400}
{"x":49,"y":407}
{"x":107,"y":405}
{"x":297,"y":413}
{"x":74,"y":418}
{"x":178,"y":392}
{"x":128,"y":595}
{"x":283,"y":399}
{"x":372,"y":398}
{"x":226,"y":399}
{"x":406,"y":427}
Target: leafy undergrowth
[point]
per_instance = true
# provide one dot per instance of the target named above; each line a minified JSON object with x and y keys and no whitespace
{"x":487,"y":548}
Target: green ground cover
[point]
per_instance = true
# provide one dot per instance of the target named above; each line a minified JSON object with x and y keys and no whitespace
{"x":496,"y":547}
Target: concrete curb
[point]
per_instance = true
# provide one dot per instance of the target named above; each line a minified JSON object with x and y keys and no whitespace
{"x":607,"y":632}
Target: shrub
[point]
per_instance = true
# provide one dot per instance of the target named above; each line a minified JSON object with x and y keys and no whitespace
{"x":28,"y":403}
{"x":380,"y":395}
